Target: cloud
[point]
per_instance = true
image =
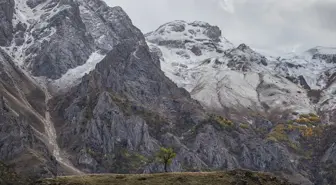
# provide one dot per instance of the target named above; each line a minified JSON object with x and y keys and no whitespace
{"x":326,"y":14}
{"x":274,"y":25}
{"x":227,"y":5}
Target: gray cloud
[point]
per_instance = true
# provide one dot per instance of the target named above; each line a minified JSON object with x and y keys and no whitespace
{"x":326,"y":13}
{"x":278,"y":26}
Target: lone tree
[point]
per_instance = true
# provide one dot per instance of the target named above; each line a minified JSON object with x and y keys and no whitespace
{"x":166,"y":156}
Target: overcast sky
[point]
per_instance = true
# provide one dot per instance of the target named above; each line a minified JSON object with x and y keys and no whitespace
{"x":274,"y":25}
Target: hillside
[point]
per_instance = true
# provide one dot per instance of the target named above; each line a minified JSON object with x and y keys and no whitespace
{"x":9,"y":177}
{"x":228,"y":79}
{"x":215,"y":178}
{"x":84,"y":91}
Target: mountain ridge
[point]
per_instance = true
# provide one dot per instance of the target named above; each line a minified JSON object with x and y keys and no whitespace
{"x":305,"y":73}
{"x":111,"y":97}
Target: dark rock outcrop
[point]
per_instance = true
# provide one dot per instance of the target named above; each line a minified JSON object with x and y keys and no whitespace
{"x":34,"y":3}
{"x":67,"y":48}
{"x":6,"y":17}
{"x":22,"y":103}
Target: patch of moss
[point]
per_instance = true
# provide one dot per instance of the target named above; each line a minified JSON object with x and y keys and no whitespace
{"x":223,"y":122}
{"x":307,"y":134}
{"x":308,"y":119}
{"x":9,"y":177}
{"x":244,"y":126}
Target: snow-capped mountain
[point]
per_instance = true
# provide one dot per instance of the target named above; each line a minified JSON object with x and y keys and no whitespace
{"x":63,"y":40}
{"x":198,"y":58}
{"x":82,"y":90}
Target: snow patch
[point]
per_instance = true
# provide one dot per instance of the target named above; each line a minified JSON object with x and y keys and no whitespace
{"x":73,"y":76}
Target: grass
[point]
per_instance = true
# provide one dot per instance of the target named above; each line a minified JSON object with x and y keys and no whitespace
{"x":213,"y":178}
{"x":9,"y":177}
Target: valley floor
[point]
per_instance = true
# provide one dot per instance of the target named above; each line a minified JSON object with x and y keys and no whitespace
{"x":211,"y":178}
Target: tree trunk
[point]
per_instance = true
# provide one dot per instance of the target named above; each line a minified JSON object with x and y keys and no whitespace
{"x":165,"y":167}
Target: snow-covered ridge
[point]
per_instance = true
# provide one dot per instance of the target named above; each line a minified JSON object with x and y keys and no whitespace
{"x":323,"y":50}
{"x":31,"y":17}
{"x":196,"y":57}
{"x":34,"y":27}
{"x":186,"y":46}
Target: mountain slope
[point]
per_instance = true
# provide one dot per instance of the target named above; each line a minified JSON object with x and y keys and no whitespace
{"x":22,"y":124}
{"x":222,"y":76}
{"x":83,"y":92}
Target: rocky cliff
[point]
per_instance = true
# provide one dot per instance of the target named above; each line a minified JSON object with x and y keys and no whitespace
{"x":84,"y":91}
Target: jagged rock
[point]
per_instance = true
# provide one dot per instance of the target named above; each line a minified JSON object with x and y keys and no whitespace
{"x":231,"y":77}
{"x":129,"y":95}
{"x":19,"y":38}
{"x":118,"y":115}
{"x":20,"y":126}
{"x":178,"y":27}
{"x":196,"y":50}
{"x":156,"y":55}
{"x":213,"y":32}
{"x":114,"y":24}
{"x":33,"y":3}
{"x":21,"y":27}
{"x":6,"y":16}
{"x":303,"y":82}
{"x":67,"y":48}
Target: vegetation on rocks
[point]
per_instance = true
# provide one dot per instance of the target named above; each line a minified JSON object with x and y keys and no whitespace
{"x":308,"y":119}
{"x":223,"y":122}
{"x":9,"y":177}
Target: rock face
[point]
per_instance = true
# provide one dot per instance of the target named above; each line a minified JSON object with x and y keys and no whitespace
{"x":126,"y":108}
{"x":221,"y":76}
{"x":62,"y":35}
{"x":119,"y":104}
{"x":6,"y":16}
{"x":21,"y":127}
{"x":67,"y":46}
{"x":117,"y":116}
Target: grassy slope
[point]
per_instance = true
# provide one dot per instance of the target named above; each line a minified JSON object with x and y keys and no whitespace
{"x":237,"y":177}
{"x":9,"y":177}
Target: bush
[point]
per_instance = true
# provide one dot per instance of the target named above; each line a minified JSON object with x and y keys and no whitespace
{"x":290,"y":122}
{"x":244,"y":126}
{"x":223,"y":122}
{"x":278,"y":133}
{"x":312,"y":115}
{"x":304,"y":116}
{"x":302,"y":120}
{"x":315,"y":119}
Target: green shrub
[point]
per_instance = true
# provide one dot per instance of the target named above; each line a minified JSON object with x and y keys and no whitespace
{"x":244,"y":125}
{"x":166,"y":156}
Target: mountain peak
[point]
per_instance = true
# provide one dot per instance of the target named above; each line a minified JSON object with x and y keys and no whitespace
{"x":178,"y":30}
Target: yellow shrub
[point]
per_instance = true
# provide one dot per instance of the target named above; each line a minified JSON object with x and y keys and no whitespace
{"x":302,"y":120}
{"x":304,"y":116}
{"x":308,"y":132}
{"x":223,"y":121}
{"x":314,"y":119}
{"x":312,"y":115}
{"x":278,"y":133}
